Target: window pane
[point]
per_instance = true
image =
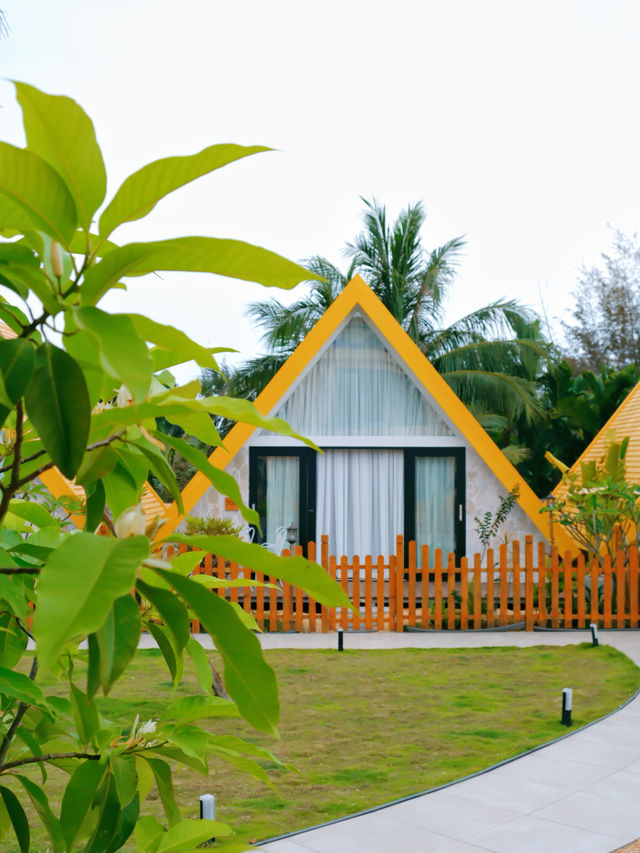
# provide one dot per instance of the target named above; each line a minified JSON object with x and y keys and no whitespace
{"x":435,"y":504}
{"x":282,"y":494}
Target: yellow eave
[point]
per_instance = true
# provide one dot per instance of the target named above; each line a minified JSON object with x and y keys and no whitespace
{"x":357,"y":293}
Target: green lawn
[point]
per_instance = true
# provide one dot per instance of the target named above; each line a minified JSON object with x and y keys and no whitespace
{"x":365,"y":727}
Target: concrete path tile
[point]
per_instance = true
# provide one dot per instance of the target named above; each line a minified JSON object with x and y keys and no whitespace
{"x":370,"y":834}
{"x":605,"y":815}
{"x":532,"y":835}
{"x":284,"y":846}
{"x":499,"y":790}
{"x":449,"y":815}
{"x":573,"y":775}
{"x":634,"y":767}
{"x":621,"y":785}
{"x":591,"y":749}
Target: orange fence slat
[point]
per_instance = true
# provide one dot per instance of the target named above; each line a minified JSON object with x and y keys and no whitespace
{"x":568,"y":590}
{"x":451,"y":587}
{"x":491,"y":595}
{"x":516,"y":592}
{"x":542,"y":585}
{"x":344,"y":580}
{"x":380,"y":595}
{"x":437,"y":590}
{"x":424,"y":563}
{"x":504,"y":585}
{"x":399,"y":584}
{"x":580,"y":604}
{"x":464,"y":594}
{"x":606,"y":574}
{"x":477,"y":592}
{"x":368,"y":593}
{"x":332,"y":610}
{"x":633,"y":587}
{"x":528,"y":584}
{"x":411,"y":570}
{"x":621,"y":591}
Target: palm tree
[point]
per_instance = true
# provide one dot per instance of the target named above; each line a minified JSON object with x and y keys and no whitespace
{"x":491,"y":357}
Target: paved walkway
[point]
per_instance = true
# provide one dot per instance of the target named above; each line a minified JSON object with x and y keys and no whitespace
{"x":581,"y":795}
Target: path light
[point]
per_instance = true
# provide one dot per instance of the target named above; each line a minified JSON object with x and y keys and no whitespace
{"x":292,"y":535}
{"x":208,"y":808}
{"x":567,"y":701}
{"x":340,"y":639}
{"x":594,"y":634}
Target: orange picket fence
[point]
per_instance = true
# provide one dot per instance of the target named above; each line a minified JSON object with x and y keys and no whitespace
{"x":538,"y":588}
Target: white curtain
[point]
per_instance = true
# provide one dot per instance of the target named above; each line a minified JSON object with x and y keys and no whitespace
{"x":283,"y":493}
{"x":360,"y":501}
{"x":357,"y":388}
{"x":435,"y":504}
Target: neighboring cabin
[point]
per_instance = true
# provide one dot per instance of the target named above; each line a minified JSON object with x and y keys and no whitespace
{"x":402,"y":454}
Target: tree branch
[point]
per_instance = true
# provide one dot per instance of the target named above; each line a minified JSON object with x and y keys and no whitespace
{"x":35,"y":474}
{"x":22,"y":709}
{"x":51,"y":756}
{"x":13,"y":485}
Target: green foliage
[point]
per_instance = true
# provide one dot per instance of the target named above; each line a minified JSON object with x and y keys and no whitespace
{"x":488,"y":525}
{"x":600,"y":507}
{"x":211,"y":526}
{"x":90,"y":404}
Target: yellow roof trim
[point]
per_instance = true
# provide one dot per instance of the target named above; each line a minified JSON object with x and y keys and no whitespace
{"x":357,"y":293}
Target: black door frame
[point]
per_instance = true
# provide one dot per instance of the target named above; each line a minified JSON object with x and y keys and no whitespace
{"x":460,"y":492}
{"x":307,"y":495}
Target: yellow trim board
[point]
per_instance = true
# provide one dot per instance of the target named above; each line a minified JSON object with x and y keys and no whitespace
{"x":358,"y":294}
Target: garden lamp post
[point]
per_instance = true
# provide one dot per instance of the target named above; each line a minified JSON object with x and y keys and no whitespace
{"x":292,"y":535}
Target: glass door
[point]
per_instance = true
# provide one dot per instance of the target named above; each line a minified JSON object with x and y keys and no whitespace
{"x":435,"y":504}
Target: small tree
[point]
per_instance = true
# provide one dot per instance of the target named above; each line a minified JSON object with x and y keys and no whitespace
{"x":81,"y":389}
{"x":488,"y":525}
{"x":599,"y":507}
{"x":605,"y":330}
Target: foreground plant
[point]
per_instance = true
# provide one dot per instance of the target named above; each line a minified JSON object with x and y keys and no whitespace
{"x":81,"y":389}
{"x":599,"y":506}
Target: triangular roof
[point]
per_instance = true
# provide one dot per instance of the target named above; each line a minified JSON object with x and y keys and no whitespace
{"x":357,"y":295}
{"x":625,"y":421}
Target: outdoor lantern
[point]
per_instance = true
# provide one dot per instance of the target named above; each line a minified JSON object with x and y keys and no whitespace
{"x":292,"y":534}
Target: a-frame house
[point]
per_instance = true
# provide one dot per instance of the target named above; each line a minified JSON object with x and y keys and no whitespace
{"x":402,"y":453}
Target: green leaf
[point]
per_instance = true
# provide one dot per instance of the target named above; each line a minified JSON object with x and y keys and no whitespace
{"x":59,"y":131}
{"x":123,"y":354}
{"x":96,"y":464}
{"x":123,"y":768}
{"x":33,"y":196}
{"x":235,"y":409}
{"x":231,"y":258}
{"x":198,"y":424}
{"x":58,"y":406}
{"x":171,"y":657}
{"x":121,"y":490}
{"x":84,"y":243}
{"x":190,"y":739}
{"x":162,"y":773}
{"x":188,"y":834}
{"x":16,"y":366}
{"x":41,"y":805}
{"x":96,"y":500}
{"x":118,"y":639}
{"x":142,"y":190}
{"x":71,"y":603}
{"x":220,"y":480}
{"x":78,"y":798}
{"x":13,"y":641}
{"x":148,"y":829}
{"x":173,"y":340}
{"x":171,"y":610}
{"x":19,"y":686}
{"x":295,"y":570}
{"x":108,"y":818}
{"x":161,"y":468}
{"x":126,"y":824}
{"x":249,"y":680}
{"x":191,"y":708}
{"x":85,"y":715}
{"x":33,"y":512}
{"x":201,"y":664}
{"x":18,"y":818}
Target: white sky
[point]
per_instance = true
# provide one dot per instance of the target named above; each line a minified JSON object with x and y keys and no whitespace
{"x":516,"y":124}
